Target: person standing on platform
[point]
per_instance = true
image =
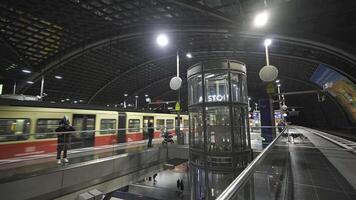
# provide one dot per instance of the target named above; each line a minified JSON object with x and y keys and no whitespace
{"x":178,"y":184}
{"x":150,"y":134}
{"x":281,"y":126}
{"x":181,"y":185}
{"x":63,"y":139}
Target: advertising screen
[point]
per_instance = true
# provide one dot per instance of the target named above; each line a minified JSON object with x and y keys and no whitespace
{"x":338,"y":86}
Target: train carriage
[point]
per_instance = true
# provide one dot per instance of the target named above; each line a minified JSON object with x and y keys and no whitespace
{"x":30,"y":130}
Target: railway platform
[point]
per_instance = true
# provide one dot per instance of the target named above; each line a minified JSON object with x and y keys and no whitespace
{"x":302,"y":163}
{"x":106,"y":169}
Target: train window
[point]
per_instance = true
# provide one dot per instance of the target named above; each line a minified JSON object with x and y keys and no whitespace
{"x":185,"y":123}
{"x":169,"y":124}
{"x":134,"y":125}
{"x":159,"y":124}
{"x":107,"y":124}
{"x":46,"y":127}
{"x":14,"y":129}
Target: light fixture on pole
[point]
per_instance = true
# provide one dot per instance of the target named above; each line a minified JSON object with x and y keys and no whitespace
{"x":284,"y":106}
{"x":248,"y":105}
{"x":176,"y":81}
{"x":269,"y":72}
{"x":256,"y":106}
{"x":42,"y":88}
{"x":279,"y":95}
{"x":125,"y":95}
{"x":136,"y":97}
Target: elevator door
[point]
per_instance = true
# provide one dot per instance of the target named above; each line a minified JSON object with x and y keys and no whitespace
{"x":83,"y":123}
{"x":146,"y":120}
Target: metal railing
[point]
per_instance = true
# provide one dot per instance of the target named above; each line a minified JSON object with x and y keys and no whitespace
{"x":244,"y":176}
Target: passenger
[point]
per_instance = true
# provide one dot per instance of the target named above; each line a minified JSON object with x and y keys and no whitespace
{"x":150,"y":134}
{"x":178,"y":184}
{"x":63,"y":139}
{"x":281,"y":126}
{"x":154,"y":177}
{"x":181,"y":185}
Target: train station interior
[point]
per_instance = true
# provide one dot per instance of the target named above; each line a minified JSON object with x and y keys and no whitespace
{"x":178,"y":99}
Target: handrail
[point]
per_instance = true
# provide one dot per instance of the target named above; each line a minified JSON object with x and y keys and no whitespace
{"x":230,"y":191}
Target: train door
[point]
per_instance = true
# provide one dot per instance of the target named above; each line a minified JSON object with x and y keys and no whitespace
{"x":83,"y":123}
{"x":122,"y":126}
{"x":146,"y":120}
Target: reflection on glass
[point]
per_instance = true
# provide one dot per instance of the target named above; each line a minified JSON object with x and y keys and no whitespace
{"x":169,"y":124}
{"x":217,"y":88}
{"x":240,"y":128}
{"x":13,"y":129}
{"x":159,"y":124}
{"x":218,"y":182}
{"x":46,"y":126}
{"x":134,"y":125}
{"x":198,"y":186}
{"x":194,"y":90}
{"x":107,"y":124}
{"x":218,"y":129}
{"x":270,"y":180}
{"x":196,"y":129}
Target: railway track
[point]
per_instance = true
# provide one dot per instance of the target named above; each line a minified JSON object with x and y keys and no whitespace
{"x":347,"y":144}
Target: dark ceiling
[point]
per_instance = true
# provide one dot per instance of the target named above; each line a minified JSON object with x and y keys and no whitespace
{"x":105,"y":48}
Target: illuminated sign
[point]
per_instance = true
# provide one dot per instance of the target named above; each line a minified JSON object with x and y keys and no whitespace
{"x":214,"y":98}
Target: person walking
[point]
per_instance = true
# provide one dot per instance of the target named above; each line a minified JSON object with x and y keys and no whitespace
{"x":181,"y":185}
{"x":178,"y":184}
{"x":150,"y":134}
{"x":63,"y":139}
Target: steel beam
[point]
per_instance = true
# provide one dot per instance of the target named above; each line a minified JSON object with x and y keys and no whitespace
{"x":203,"y":9}
{"x":130,"y":36}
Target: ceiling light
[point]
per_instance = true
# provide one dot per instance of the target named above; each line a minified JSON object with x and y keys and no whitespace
{"x":279,"y":85}
{"x":126,"y":95}
{"x":189,"y":55}
{"x":75,"y":101}
{"x":62,"y":100}
{"x":268,"y":42}
{"x":67,"y":99}
{"x":146,"y":95}
{"x":30,"y":82}
{"x":136,"y":97}
{"x":58,"y":77}
{"x":277,"y":81}
{"x":261,"y":19}
{"x":26,"y":71}
{"x":80,"y":100}
{"x":162,"y":40}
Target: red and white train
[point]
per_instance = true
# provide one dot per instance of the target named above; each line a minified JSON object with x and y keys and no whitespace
{"x":28,"y":130}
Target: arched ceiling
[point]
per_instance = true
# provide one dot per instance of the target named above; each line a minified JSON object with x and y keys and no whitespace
{"x":105,"y":48}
